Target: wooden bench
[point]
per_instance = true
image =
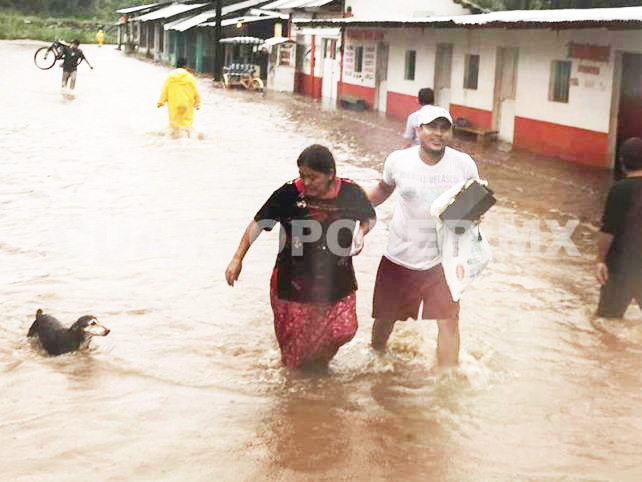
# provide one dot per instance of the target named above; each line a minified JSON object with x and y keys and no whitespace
{"x":353,"y":102}
{"x":484,"y":136}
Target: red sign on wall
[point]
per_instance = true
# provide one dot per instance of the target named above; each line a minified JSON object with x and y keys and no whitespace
{"x":588,"y":69}
{"x":358,"y":34}
{"x":589,"y":52}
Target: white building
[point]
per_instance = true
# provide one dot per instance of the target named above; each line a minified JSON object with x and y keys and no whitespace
{"x":564,"y":83}
{"x":318,"y":60}
{"x":364,"y":9}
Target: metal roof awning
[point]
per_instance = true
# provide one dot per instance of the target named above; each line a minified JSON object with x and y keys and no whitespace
{"x":284,"y":4}
{"x":277,"y":41}
{"x":613,"y":18}
{"x":327,"y":32}
{"x":170,"y":11}
{"x":242,"y":40}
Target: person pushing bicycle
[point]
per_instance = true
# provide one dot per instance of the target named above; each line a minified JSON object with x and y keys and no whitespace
{"x":72,"y":56}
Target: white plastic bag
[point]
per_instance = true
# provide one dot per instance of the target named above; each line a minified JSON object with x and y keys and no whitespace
{"x":463,"y":257}
{"x":464,"y":249}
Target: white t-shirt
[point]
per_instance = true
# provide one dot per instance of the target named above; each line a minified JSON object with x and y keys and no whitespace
{"x":413,"y":238}
{"x":411,"y":124}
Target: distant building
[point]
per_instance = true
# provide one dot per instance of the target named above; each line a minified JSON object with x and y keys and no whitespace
{"x":563,"y":83}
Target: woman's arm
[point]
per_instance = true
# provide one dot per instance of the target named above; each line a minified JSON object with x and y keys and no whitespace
{"x":358,"y":239}
{"x":234,"y":268}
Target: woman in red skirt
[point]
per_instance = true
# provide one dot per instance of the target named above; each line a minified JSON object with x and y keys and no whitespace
{"x":324,"y":219}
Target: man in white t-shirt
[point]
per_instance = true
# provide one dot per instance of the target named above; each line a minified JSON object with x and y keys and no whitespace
{"x":425,"y":97}
{"x":410,"y":271}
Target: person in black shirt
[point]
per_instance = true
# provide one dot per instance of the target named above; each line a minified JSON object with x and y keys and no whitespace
{"x":312,"y":290}
{"x":619,"y":242}
{"x":71,"y":58}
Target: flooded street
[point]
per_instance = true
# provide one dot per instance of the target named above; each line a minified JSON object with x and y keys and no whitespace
{"x":101,"y":213}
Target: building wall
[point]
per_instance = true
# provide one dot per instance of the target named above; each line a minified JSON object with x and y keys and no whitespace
{"x":310,"y":49}
{"x":580,"y":130}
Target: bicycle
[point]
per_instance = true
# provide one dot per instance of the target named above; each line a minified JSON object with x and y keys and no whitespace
{"x":46,"y":57}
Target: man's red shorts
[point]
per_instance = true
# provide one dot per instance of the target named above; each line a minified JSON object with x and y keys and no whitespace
{"x":399,"y":291}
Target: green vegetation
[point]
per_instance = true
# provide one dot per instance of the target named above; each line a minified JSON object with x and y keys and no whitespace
{"x":66,"y":19}
{"x":98,"y":9}
{"x":15,"y":25}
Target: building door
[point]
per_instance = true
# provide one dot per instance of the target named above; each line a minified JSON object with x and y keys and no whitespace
{"x":629,"y":117}
{"x":504,"y":98}
{"x":443,"y":64}
{"x":330,"y":69}
{"x":381,"y":78}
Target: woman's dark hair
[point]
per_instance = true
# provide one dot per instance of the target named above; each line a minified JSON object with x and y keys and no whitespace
{"x":631,"y":154}
{"x":318,"y":158}
{"x":181,"y":62}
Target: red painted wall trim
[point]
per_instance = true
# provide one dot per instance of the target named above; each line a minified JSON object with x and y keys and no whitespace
{"x":569,"y":143}
{"x":366,"y":93}
{"x":305,"y":84}
{"x":477,"y":117}
{"x":313,"y":62}
{"x":343,"y":43}
{"x":400,"y":106}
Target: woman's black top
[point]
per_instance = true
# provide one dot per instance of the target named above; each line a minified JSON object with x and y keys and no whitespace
{"x":314,"y":262}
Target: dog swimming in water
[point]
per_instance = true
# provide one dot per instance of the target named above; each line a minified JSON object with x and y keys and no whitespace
{"x":56,"y":339}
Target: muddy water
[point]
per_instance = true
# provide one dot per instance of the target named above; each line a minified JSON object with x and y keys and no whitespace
{"x":102,"y":213}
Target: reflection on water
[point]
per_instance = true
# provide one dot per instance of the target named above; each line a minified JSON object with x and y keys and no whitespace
{"x":101,"y":212}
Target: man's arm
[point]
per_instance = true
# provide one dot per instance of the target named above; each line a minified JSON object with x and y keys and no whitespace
{"x":379,"y":193}
{"x":164,"y":93}
{"x":604,"y":241}
{"x":85,"y":59}
{"x":197,"y":97}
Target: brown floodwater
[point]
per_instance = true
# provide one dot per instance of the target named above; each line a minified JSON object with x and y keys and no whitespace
{"x":101,"y":212}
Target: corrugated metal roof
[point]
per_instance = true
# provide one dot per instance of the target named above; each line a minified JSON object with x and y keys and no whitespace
{"x":185,"y":24}
{"x":139,"y":8}
{"x":242,"y":40}
{"x":170,"y":11}
{"x":231,"y":21}
{"x":269,"y":13}
{"x":297,"y":3}
{"x":556,"y":19}
{"x":205,"y":20}
{"x":235,"y":7}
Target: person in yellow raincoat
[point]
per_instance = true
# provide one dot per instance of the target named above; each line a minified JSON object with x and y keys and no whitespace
{"x":179,"y":91}
{"x":100,"y":38}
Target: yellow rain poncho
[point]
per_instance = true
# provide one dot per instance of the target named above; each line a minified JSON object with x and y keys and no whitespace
{"x":181,"y":96}
{"x":100,"y":38}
